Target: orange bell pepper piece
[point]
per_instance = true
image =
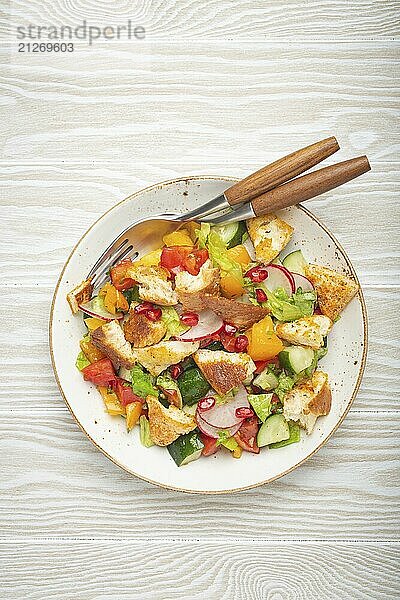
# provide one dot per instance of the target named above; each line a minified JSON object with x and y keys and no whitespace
{"x":92,"y":353}
{"x":133,"y":412}
{"x":263,"y":341}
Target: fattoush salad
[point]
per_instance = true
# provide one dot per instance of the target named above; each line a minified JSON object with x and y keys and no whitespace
{"x":212,"y":342}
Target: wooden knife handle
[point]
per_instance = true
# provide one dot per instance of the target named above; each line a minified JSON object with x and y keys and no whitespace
{"x":280,"y":171}
{"x":310,"y":185}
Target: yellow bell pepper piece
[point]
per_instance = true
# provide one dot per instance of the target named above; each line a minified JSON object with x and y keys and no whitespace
{"x":152,"y":259}
{"x":263,"y":341}
{"x":92,"y":323}
{"x":113,"y":405}
{"x":114,"y":300}
{"x":231,"y":287}
{"x":239,"y":254}
{"x":237,"y":453}
{"x":90,"y":351}
{"x":133,"y":412}
{"x":178,"y":238}
{"x":192,"y":228}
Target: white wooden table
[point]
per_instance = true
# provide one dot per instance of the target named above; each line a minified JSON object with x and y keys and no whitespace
{"x":217,"y":87}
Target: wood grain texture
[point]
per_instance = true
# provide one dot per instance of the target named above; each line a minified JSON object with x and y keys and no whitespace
{"x":216,"y":19}
{"x":56,"y":484}
{"x":234,"y":102}
{"x":152,"y":571}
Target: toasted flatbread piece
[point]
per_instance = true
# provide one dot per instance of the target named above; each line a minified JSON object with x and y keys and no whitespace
{"x":224,"y":370}
{"x":307,"y":331}
{"x":191,"y":288}
{"x":109,"y":338}
{"x":164,"y":354}
{"x":140,"y":331}
{"x":308,"y":400}
{"x":153,"y":284}
{"x":167,"y":424}
{"x":80,"y":294}
{"x":269,"y":235}
{"x":239,"y":314}
{"x":334,"y":290}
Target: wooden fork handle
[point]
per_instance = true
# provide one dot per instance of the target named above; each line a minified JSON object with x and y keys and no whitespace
{"x":310,"y":185}
{"x":280,"y":171}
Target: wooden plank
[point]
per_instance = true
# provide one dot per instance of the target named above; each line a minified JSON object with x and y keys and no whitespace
{"x":233,"y":101}
{"x":167,"y":571}
{"x":26,"y":358}
{"x":217,"y":19}
{"x":56,"y":484}
{"x":66,"y":199}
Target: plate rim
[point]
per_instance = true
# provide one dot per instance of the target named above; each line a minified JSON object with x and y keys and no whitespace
{"x":360,"y":295}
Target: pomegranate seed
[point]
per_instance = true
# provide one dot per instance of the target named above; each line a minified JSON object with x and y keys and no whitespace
{"x":143,"y":307}
{"x":230,"y":329}
{"x":206,"y":403}
{"x":317,"y":311}
{"x":241,"y":343}
{"x":189,"y":318}
{"x":257,"y":274}
{"x":244,"y":412}
{"x":176,"y":370}
{"x":153,"y":314}
{"x":261,"y":296}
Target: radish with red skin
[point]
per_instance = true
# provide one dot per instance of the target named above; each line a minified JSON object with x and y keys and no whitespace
{"x":302,"y":282}
{"x":223,"y":416}
{"x":214,"y":432}
{"x":205,"y":404}
{"x":209,"y":323}
{"x":278,"y":277}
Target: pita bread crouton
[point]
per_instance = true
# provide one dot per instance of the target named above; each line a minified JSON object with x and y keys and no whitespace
{"x":167,"y":424}
{"x":191,"y":288}
{"x":269,"y":235}
{"x":237,"y":313}
{"x":308,"y":400}
{"x":334,"y":290}
{"x":80,"y":294}
{"x":140,"y":331}
{"x":109,"y":338}
{"x":153,"y":284}
{"x":307,"y":331}
{"x":164,"y":354}
{"x":224,"y":370}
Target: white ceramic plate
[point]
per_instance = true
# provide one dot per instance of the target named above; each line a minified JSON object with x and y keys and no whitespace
{"x":220,"y":473}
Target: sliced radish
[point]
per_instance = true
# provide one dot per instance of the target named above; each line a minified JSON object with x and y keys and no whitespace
{"x":278,"y":277}
{"x":213,"y":432}
{"x":303,"y":282}
{"x":223,"y":416}
{"x":209,"y":323}
{"x":95,"y":309}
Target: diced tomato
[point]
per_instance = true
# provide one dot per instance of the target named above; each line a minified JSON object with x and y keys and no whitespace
{"x":183,"y":258}
{"x":124,"y":392}
{"x":210,"y":445}
{"x":100,"y":372}
{"x":195,"y":260}
{"x":261,"y":364}
{"x":246,"y":437}
{"x":173,"y":397}
{"x":118,"y":275}
{"x":172,"y":258}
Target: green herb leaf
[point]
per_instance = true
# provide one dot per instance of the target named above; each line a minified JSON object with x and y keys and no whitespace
{"x":81,"y":361}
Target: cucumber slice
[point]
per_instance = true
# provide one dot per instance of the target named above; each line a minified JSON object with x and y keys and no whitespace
{"x":295,"y":262}
{"x":186,"y":448}
{"x":296,"y":358}
{"x":192,"y":385}
{"x":275,"y":429}
{"x":266,"y":380}
{"x":294,"y":436}
{"x":231,"y":233}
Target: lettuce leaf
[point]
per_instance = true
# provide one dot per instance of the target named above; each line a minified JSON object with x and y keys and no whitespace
{"x":285,"y":384}
{"x":217,"y":251}
{"x":172,"y":322}
{"x":261,"y":404}
{"x":290,"y":308}
{"x":145,"y":432}
{"x":142,"y":383}
{"x":202,"y":234}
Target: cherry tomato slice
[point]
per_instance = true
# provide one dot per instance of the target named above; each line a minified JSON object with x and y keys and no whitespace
{"x":118,"y":275}
{"x":100,"y":372}
{"x":246,"y":437}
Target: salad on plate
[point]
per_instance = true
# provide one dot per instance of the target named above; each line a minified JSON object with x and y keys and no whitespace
{"x":212,"y":343}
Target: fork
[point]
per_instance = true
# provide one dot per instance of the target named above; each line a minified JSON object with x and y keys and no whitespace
{"x":147,"y":234}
